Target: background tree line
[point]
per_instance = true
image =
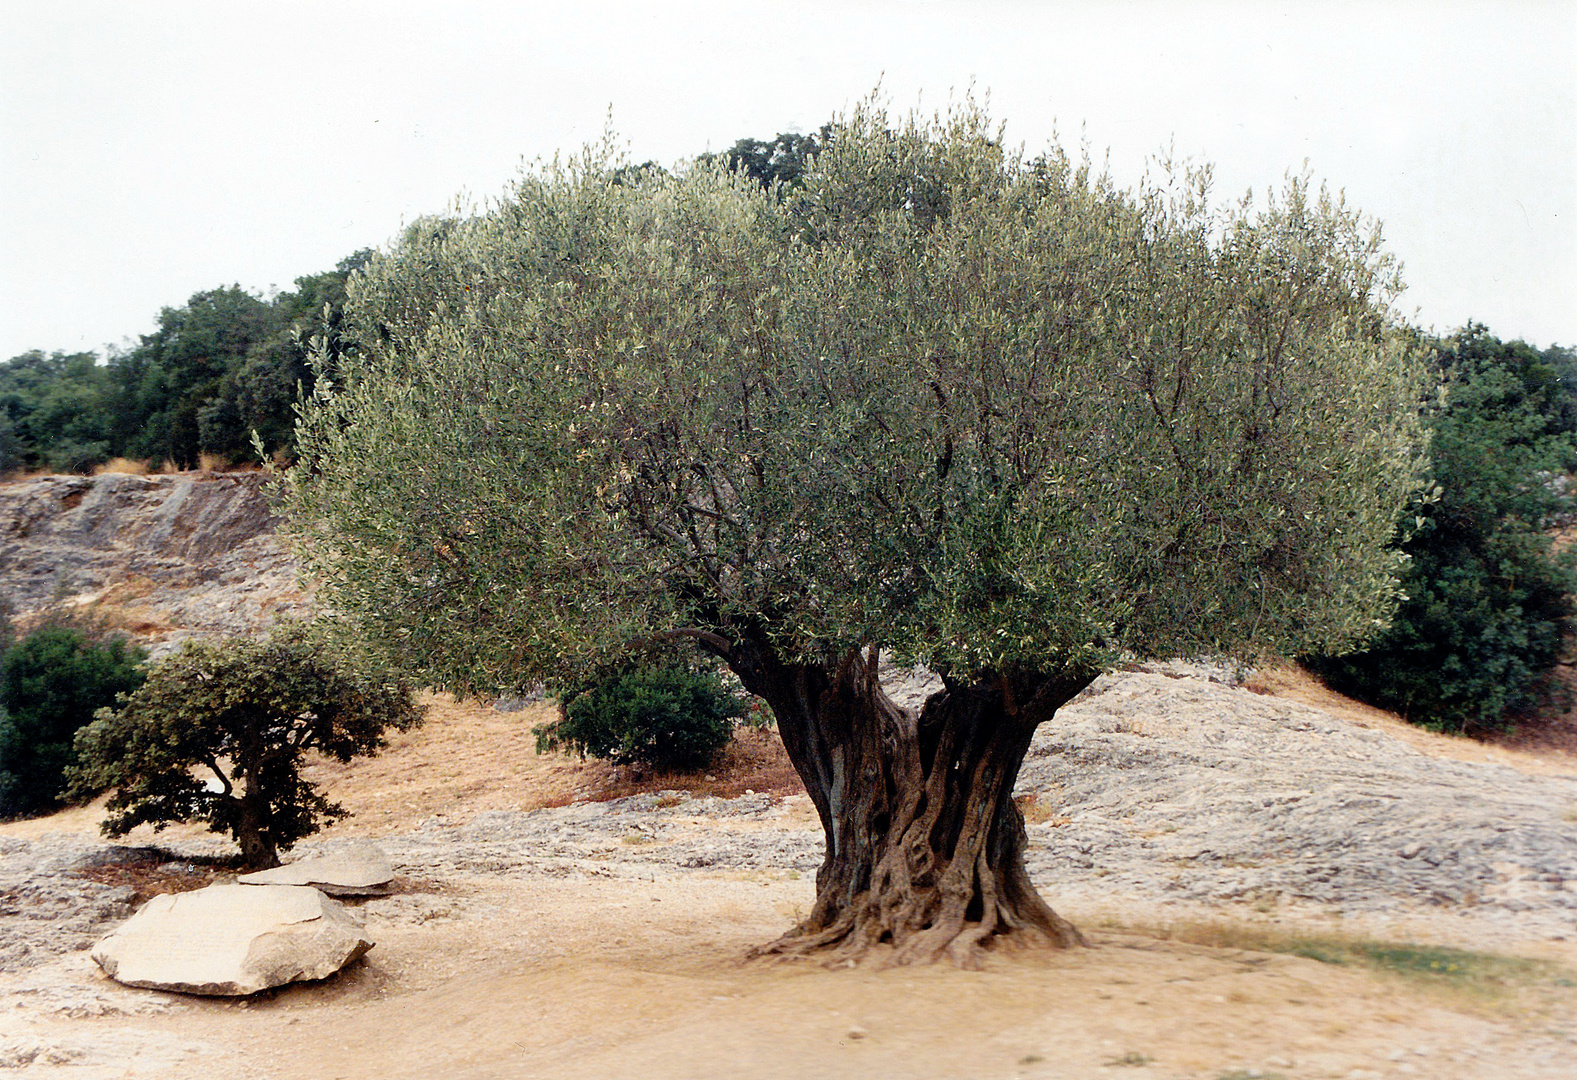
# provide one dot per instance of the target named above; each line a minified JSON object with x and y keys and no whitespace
{"x":222,"y":365}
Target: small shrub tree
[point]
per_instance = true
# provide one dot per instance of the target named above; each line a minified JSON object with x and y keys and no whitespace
{"x":245,"y":714}
{"x":665,"y":718}
{"x":51,"y":683}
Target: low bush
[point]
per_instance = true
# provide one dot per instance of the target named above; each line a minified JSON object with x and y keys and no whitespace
{"x":51,"y":683}
{"x":665,"y":718}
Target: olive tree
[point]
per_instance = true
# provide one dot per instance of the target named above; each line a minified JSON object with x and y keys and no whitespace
{"x":938,"y":402}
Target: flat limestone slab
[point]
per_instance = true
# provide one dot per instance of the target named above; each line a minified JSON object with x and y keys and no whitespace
{"x":232,"y":940}
{"x":358,"y":870}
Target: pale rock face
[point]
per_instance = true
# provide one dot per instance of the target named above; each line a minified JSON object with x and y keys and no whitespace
{"x":360,"y":869}
{"x":232,"y":940}
{"x":165,"y":558}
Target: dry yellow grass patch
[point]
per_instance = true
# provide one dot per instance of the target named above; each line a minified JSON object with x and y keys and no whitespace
{"x":1462,"y":978}
{"x":122,"y":466}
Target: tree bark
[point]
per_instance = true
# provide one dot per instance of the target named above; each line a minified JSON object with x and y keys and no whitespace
{"x":257,"y":849}
{"x":925,"y":846}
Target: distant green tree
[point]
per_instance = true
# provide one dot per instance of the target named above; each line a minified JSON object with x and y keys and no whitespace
{"x":1488,"y":598}
{"x":245,"y":713}
{"x":51,"y":683}
{"x":782,"y":160}
{"x":166,"y":380}
{"x":12,"y":449}
{"x":52,"y":412}
{"x":259,"y":393}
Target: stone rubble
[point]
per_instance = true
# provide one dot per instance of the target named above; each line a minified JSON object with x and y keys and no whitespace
{"x":356,"y":869}
{"x":46,"y":906}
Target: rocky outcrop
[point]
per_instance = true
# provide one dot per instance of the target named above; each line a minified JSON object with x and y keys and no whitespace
{"x":162,"y":557}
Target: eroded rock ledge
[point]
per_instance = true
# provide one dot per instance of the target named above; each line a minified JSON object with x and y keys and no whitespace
{"x":163,"y":557}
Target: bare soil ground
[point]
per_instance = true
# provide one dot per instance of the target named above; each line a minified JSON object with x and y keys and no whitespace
{"x":565,"y":969}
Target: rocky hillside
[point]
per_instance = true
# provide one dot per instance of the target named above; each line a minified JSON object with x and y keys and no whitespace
{"x":163,"y":557}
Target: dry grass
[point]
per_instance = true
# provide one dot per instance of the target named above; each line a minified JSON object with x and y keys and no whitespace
{"x":18,"y":475}
{"x":218,"y":463}
{"x":468,"y":757}
{"x":155,"y":872}
{"x":123,"y":466}
{"x":754,"y":762}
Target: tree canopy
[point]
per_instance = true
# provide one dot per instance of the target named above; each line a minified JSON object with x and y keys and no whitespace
{"x":219,"y":733}
{"x":981,"y":412}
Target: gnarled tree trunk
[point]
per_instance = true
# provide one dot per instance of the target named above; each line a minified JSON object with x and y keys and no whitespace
{"x":925,"y":846}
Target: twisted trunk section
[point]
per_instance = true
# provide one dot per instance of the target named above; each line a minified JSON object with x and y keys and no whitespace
{"x":925,"y":846}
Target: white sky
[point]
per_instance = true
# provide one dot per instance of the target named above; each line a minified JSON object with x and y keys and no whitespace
{"x":152,"y":149}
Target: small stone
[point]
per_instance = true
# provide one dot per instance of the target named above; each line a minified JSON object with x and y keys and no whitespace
{"x":857,"y":1033}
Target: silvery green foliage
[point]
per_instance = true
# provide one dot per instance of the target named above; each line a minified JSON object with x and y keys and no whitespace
{"x":979,"y":410}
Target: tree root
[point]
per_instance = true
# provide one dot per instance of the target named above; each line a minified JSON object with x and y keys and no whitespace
{"x":1014,"y":916}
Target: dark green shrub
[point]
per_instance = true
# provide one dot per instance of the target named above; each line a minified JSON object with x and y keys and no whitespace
{"x":665,"y":718}
{"x":241,"y":714}
{"x":51,"y":683}
{"x":1488,"y":598}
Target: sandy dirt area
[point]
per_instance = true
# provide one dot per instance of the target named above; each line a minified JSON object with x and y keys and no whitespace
{"x":610,"y":979}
